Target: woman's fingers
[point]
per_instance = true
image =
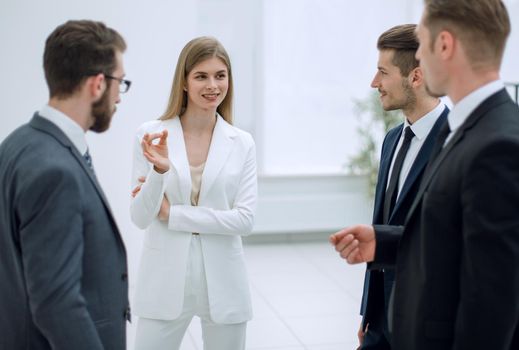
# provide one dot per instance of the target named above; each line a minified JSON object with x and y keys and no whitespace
{"x":136,"y":190}
{"x":164,"y":138}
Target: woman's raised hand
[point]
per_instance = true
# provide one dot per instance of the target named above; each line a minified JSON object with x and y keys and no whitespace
{"x":156,"y":153}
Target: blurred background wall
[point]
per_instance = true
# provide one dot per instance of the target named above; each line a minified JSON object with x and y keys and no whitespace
{"x":299,"y":65}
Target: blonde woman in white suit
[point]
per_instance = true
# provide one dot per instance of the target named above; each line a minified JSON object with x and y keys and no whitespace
{"x":195,"y":193}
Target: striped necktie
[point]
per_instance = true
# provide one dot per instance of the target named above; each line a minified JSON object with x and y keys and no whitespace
{"x":88,"y":160}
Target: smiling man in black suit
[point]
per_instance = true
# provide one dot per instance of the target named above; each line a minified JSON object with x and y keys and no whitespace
{"x":405,"y":153}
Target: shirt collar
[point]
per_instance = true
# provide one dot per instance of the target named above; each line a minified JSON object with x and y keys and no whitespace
{"x":461,"y":110}
{"x":422,"y":126}
{"x":70,"y":128}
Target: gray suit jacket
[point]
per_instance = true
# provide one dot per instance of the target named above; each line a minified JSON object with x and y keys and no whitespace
{"x":63,"y":267}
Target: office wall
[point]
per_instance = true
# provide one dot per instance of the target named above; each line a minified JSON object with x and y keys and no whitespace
{"x":156,"y":30}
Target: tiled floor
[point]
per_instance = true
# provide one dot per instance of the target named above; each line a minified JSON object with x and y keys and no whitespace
{"x":304,"y":298}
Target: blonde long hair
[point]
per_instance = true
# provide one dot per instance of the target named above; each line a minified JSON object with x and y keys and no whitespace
{"x":196,"y":51}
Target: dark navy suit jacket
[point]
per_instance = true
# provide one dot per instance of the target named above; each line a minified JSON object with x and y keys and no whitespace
{"x":378,"y":284}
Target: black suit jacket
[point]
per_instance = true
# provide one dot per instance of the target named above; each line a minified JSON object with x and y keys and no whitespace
{"x":63,"y":263}
{"x":457,"y":266}
{"x":378,"y":284}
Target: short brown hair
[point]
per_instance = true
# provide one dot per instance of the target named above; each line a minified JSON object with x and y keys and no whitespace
{"x":76,"y":50}
{"x":402,"y":39}
{"x":196,"y":51}
{"x":482,"y":26}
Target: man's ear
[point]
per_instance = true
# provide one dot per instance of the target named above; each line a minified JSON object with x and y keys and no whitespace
{"x":416,"y":77}
{"x":96,"y":86}
{"x":445,"y":43}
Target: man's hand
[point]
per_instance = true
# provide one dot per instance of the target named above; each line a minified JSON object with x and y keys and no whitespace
{"x":356,"y":243}
{"x":156,"y":153}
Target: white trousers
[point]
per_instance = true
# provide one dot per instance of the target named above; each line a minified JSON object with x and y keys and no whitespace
{"x":155,"y":334}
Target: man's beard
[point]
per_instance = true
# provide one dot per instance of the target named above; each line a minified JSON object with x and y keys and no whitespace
{"x":410,"y":96}
{"x":102,"y":113}
{"x":407,"y":102}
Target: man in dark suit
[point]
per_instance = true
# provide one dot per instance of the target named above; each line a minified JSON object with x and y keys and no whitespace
{"x":457,"y":257}
{"x":400,"y":83}
{"x":63,"y":262}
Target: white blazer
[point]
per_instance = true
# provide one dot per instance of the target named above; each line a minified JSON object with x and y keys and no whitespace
{"x":225,"y":211}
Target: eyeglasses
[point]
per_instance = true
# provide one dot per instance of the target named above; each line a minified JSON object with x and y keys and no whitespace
{"x":124,"y":85}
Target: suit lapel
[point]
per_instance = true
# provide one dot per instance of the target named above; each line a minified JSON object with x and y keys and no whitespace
{"x":48,"y":127}
{"x":458,"y":136}
{"x":421,"y":159}
{"x":91,"y":176}
{"x":178,"y":157}
{"x":385,"y":164}
{"x":473,"y":118}
{"x":219,"y":150}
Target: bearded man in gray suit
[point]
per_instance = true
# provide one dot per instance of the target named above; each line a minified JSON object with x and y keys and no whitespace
{"x":63,"y":262}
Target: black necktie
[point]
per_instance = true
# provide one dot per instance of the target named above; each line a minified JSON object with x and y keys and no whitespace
{"x":444,"y":132}
{"x":392,"y":189}
{"x":88,"y":159}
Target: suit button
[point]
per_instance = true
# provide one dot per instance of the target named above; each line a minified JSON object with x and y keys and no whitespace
{"x":124,"y":276}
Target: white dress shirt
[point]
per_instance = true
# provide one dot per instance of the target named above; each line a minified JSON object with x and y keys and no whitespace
{"x":461,"y":110}
{"x":421,"y":129}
